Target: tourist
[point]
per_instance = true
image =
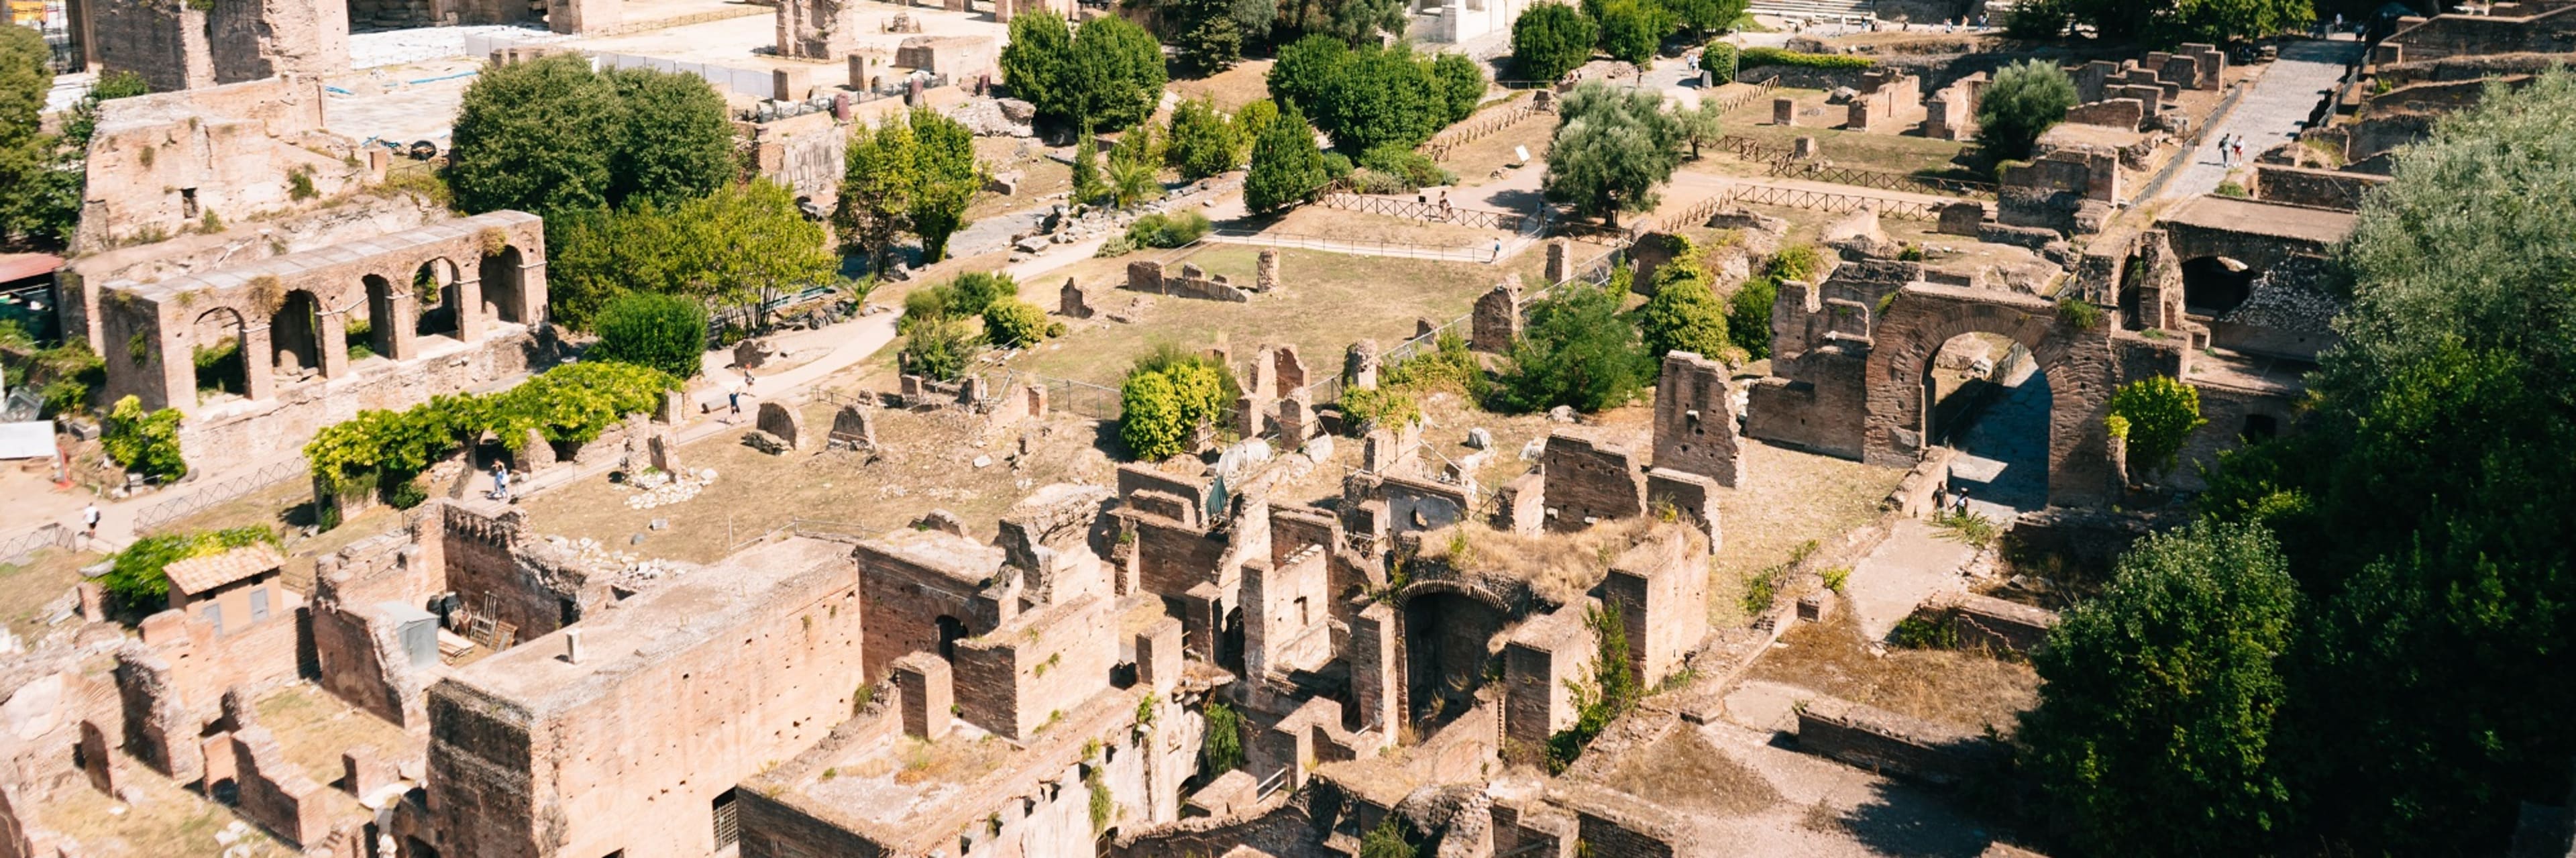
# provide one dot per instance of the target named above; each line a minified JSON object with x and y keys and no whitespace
{"x":733,"y":398}
{"x":2236,"y":151}
{"x":500,"y":481}
{"x":89,"y":520}
{"x":1498,"y":250}
{"x":1959,"y":501}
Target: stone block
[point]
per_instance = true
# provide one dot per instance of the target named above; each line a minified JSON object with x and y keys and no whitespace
{"x":783,"y":422}
{"x":928,"y":690}
{"x":854,"y":426}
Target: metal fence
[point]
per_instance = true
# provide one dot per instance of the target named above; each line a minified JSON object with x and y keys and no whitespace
{"x":18,"y":548}
{"x":207,"y":495}
{"x":1079,"y":397}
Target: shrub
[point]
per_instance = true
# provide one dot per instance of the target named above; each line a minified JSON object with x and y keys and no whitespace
{"x":2160,"y":414}
{"x":1011,"y":323}
{"x":1337,"y":165}
{"x":1223,"y":750}
{"x":1601,"y":698}
{"x":1576,"y":352}
{"x":1798,"y":262}
{"x":299,"y":184}
{"x":1921,"y":632}
{"x":2230,"y":188}
{"x":2023,"y":101}
{"x":974,"y":291}
{"x":1176,"y":229}
{"x":1413,"y":169}
{"x":2078,"y":313}
{"x":1384,"y":406}
{"x":1765,"y":56}
{"x":146,"y":444}
{"x":1720,"y":59}
{"x":1117,"y":245}
{"x":136,"y":576}
{"x":665,"y":332}
{"x":1149,"y":419}
{"x":1387,"y":840}
{"x":1286,"y":166}
{"x":1462,"y":84}
{"x":1684,"y":316}
{"x":938,"y":347}
{"x":573,"y":403}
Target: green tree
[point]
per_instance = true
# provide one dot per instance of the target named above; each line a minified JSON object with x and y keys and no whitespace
{"x":1087,"y":186}
{"x":938,"y":347}
{"x":2159,"y":698}
{"x":946,"y":178}
{"x":1612,"y":148}
{"x":673,"y":141}
{"x":1462,"y":85}
{"x":1748,"y":316}
{"x":665,"y":332}
{"x":1388,"y":840}
{"x":748,"y":245}
{"x":1632,"y":30}
{"x":1387,"y":95}
{"x":1702,"y":125}
{"x":1706,"y":16}
{"x":1253,"y":18}
{"x":1134,"y":168}
{"x":1116,"y":73}
{"x":50,"y":209}
{"x":1576,"y":351}
{"x":1684,"y":316}
{"x":1353,"y":22}
{"x":1308,"y":73}
{"x":536,"y":137}
{"x":27,"y":153}
{"x":1205,"y":36}
{"x":1201,"y":143}
{"x":144,"y":443}
{"x":2157,"y":414}
{"x":1249,"y":122}
{"x":1037,"y":64}
{"x":2025,"y":99}
{"x":2437,"y":539}
{"x":878,"y":175}
{"x":1286,"y":165}
{"x":1550,"y":40}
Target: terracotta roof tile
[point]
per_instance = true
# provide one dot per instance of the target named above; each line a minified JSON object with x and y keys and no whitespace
{"x":200,"y":574}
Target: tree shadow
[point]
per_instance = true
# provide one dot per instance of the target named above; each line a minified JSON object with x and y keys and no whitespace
{"x":1912,"y":822}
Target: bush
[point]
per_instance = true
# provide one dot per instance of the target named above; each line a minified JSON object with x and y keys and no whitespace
{"x":1223,"y":750}
{"x":973,"y":291}
{"x":1764,"y":56}
{"x":1011,"y":323}
{"x":1551,"y":39}
{"x":938,"y":347}
{"x":1117,"y":245}
{"x":146,"y":444}
{"x":573,"y":403}
{"x":2025,"y":99}
{"x":1413,"y":169}
{"x":1384,"y":406}
{"x":1149,"y":419}
{"x":665,"y":332}
{"x":1176,"y":229}
{"x":1337,"y":165}
{"x":1798,"y":262}
{"x":1462,"y":84}
{"x":1748,"y":316}
{"x":2078,"y":313}
{"x":1720,"y":59}
{"x":1576,"y":352}
{"x":1684,"y":316}
{"x":1631,"y":30}
{"x":1387,"y":840}
{"x":2160,"y":414}
{"x":136,"y":576}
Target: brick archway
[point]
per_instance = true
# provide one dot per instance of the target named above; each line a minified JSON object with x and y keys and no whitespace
{"x":2078,"y":364}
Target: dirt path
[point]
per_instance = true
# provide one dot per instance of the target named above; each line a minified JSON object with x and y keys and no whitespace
{"x":1916,"y":561}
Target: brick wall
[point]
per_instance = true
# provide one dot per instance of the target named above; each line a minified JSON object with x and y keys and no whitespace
{"x":1695,"y":420}
{"x":1542,"y":656}
{"x":1660,"y":589}
{"x":1020,"y":676}
{"x":1880,"y":740}
{"x":1590,"y":480}
{"x":905,"y":596}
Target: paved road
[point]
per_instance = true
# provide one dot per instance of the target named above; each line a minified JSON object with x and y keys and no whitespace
{"x":2272,"y":112}
{"x":1916,"y":561}
{"x":2003,"y":457}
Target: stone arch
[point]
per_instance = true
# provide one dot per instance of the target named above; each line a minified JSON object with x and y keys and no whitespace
{"x":296,"y":332}
{"x":389,"y":325}
{"x":2076,"y":361}
{"x":436,"y":287}
{"x":219,"y":351}
{"x":1449,"y":630}
{"x":504,"y":290}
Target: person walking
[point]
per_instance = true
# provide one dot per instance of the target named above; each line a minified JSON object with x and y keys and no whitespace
{"x":2236,"y":150}
{"x":733,"y":400}
{"x":89,"y":521}
{"x":2222,"y":152}
{"x":1498,"y":250}
{"x":500,"y":481}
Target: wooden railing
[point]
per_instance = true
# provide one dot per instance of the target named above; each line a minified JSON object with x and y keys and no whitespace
{"x":1829,"y":201}
{"x":1422,"y":211}
{"x":1479,"y":127}
{"x":1760,"y":90}
{"x":1881,"y":179}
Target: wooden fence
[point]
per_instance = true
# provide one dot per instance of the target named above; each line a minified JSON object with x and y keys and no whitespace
{"x":1829,"y":201}
{"x":1423,"y":211}
{"x":1479,"y":127}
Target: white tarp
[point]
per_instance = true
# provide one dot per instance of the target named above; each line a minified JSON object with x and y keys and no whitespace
{"x":33,"y":439}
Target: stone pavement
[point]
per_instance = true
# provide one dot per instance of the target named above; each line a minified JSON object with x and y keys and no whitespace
{"x":2003,"y":457}
{"x":1916,"y":561}
{"x":2272,"y":112}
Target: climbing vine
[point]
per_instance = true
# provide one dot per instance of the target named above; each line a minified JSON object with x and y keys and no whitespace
{"x":572,"y":404}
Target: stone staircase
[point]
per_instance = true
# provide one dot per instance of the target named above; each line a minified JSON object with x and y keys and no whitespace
{"x":1828,"y":9}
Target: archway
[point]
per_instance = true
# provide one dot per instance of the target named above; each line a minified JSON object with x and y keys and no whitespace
{"x":1990,"y":404}
{"x":951,"y":630}
{"x":2071,"y":348}
{"x":295,"y":334}
{"x":1448,"y":643}
{"x":434,"y":297}
{"x":502,"y":290}
{"x":219,"y":339}
{"x":375,"y":334}
{"x":2213,"y":285}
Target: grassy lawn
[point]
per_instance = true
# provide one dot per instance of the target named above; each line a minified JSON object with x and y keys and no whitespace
{"x":1328,"y":301}
{"x":1039,"y":175}
{"x":1965,"y":689}
{"x":1233,"y":88}
{"x":1903,"y":153}
{"x":26,"y":588}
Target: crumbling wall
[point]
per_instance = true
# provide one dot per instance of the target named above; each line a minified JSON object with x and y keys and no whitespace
{"x":1286,"y":613}
{"x":160,"y":731}
{"x":1695,"y":420}
{"x":1884,"y":741}
{"x":1589,"y":482}
{"x":920,"y":591}
{"x":2298,"y":186}
{"x":274,"y":792}
{"x":1022,"y":676}
{"x":1148,"y":276}
{"x":158,"y":163}
{"x":502,"y":570}
{"x":1541,"y":661}
{"x":1660,"y":590}
{"x":2445,"y":36}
